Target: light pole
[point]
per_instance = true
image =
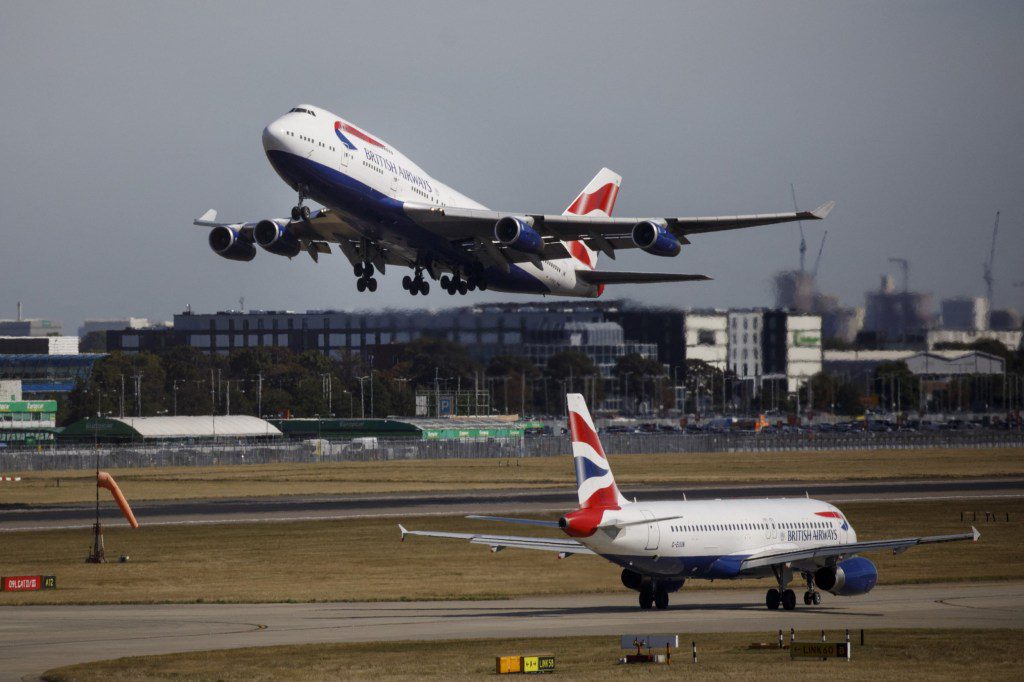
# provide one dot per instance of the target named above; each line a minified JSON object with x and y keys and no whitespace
{"x":362,"y":397}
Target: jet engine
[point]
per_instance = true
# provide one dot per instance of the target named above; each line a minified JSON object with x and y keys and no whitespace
{"x":516,"y":234}
{"x":275,"y":237}
{"x":229,"y":243}
{"x":655,"y":239}
{"x":847,"y":578}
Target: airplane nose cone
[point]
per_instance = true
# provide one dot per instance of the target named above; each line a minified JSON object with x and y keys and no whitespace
{"x":273,"y":137}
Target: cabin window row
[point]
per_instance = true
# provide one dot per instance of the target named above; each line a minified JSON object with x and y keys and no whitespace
{"x":803,"y":525}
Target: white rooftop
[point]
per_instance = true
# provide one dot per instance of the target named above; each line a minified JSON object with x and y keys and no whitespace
{"x":234,"y":426}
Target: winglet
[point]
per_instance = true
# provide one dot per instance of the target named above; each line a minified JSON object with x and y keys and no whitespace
{"x":976,"y":534}
{"x":822,"y":211}
{"x":404,"y":532}
{"x":209,"y":216}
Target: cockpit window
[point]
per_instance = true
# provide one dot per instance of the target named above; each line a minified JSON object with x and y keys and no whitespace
{"x":302,"y":111}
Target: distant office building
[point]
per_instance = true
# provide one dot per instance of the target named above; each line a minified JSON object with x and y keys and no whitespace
{"x":895,"y":317}
{"x":965,"y":313}
{"x":794,"y":290}
{"x":41,"y":345}
{"x":774,"y":345}
{"x":24,"y":422}
{"x":1010,"y":339}
{"x":707,"y":337}
{"x":1005,"y":320}
{"x":29,"y":328}
{"x":90,"y":326}
{"x":43,"y":375}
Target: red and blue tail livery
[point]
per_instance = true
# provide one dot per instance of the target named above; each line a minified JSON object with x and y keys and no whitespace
{"x":595,"y":484}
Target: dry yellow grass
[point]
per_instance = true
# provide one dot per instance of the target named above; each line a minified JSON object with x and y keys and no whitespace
{"x":886,"y":655}
{"x":357,"y":560}
{"x":46,"y":487}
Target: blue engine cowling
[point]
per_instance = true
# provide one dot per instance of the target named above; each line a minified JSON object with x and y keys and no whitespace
{"x":229,"y":243}
{"x":276,"y":238}
{"x":515,"y":234}
{"x":655,"y":239}
{"x":847,"y":578}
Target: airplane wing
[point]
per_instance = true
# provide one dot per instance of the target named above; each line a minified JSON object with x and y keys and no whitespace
{"x":470,"y":223}
{"x":563,"y":546}
{"x":844,"y":551}
{"x":607,"y":277}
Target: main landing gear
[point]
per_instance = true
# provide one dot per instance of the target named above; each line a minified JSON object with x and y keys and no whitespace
{"x":366,"y":281}
{"x":417,"y":284}
{"x":457,"y":285}
{"x":782,"y":595}
{"x":300,"y":212}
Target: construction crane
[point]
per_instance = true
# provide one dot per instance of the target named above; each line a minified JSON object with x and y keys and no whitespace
{"x":989,"y":280}
{"x":803,"y":242}
{"x":817,"y":261}
{"x":905,"y":266}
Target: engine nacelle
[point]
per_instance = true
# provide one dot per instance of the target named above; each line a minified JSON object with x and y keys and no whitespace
{"x":229,"y":243}
{"x":515,"y":234}
{"x":847,"y":578}
{"x":276,"y":238}
{"x":655,"y":239}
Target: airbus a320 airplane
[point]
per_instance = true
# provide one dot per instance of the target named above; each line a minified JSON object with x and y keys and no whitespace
{"x":382,"y":209}
{"x":660,"y":545}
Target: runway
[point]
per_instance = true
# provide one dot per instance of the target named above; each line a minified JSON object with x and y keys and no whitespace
{"x":36,"y":638}
{"x":254,"y":510}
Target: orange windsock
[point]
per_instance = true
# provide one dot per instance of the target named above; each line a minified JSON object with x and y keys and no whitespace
{"x":105,"y":480}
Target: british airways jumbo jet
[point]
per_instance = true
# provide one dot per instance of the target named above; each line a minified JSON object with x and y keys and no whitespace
{"x":661,"y":545}
{"x":382,"y":209}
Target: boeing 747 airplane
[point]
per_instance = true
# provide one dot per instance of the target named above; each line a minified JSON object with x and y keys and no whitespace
{"x":381,"y":209}
{"x":661,"y":545}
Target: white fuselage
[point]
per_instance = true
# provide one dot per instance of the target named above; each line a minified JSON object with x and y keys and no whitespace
{"x":708,"y":539}
{"x":367,"y":182}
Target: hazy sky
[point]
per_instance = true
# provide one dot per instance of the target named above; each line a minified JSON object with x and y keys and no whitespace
{"x":121,"y":122}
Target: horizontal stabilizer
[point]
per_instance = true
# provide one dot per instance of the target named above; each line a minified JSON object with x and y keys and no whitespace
{"x":505,"y":519}
{"x":602,"y":277}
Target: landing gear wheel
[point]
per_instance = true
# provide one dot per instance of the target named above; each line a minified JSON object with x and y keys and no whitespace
{"x":462,"y":287}
{"x":296,"y":213}
{"x":368,"y":269}
{"x":661,"y":599}
{"x":646,"y":599}
{"x":414,"y":290}
{"x":446,"y":282}
{"x":816,"y":598}
{"x":358,"y":269}
{"x":371,"y":284}
{"x":424,"y":287}
{"x":304,"y":212}
{"x":772,"y":599}
{"x":407,"y":283}
{"x":361,"y":285}
{"x":807,"y":598}
{"x":789,"y":600}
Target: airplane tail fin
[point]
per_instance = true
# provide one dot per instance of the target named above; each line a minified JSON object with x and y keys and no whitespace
{"x":597,"y":198}
{"x":595,"y":483}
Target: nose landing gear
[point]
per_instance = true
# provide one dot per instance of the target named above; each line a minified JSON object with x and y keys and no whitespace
{"x":300,"y":212}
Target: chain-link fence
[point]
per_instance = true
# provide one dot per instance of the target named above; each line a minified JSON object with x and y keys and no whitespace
{"x":242,"y":452}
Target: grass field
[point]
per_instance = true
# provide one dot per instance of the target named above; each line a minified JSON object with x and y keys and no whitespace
{"x":357,"y":560}
{"x":886,"y":655}
{"x":49,"y":487}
